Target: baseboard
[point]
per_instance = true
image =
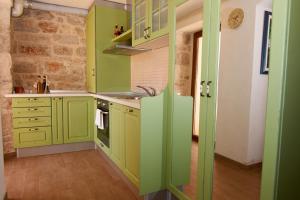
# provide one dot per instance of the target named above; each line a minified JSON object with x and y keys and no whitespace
{"x":5,"y":196}
{"x":54,"y":149}
{"x":10,"y":155}
{"x":251,"y":166}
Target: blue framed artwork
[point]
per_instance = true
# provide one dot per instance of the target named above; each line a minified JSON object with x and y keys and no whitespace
{"x":266,"y":43}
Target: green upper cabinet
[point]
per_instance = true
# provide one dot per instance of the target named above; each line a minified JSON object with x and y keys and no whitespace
{"x":78,"y":119}
{"x":149,"y":20}
{"x":105,"y":72}
{"x":132,"y":145}
{"x":139,"y":21}
{"x":91,"y":51}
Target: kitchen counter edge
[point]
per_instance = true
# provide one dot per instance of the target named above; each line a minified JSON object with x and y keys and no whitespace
{"x":130,"y":103}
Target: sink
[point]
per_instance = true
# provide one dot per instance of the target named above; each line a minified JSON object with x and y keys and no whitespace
{"x":125,"y":95}
{"x":67,"y":91}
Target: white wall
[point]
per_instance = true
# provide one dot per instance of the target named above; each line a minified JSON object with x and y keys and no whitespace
{"x":259,"y":90}
{"x":242,"y":90}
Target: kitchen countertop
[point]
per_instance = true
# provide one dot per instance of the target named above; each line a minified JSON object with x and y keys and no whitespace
{"x":127,"y":102}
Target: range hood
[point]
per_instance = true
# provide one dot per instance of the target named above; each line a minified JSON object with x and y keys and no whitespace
{"x":124,"y":49}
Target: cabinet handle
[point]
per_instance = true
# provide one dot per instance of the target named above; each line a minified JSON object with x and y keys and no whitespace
{"x":32,"y":99}
{"x":201,"y":88}
{"x":33,"y":129}
{"x":145,"y":33}
{"x":130,"y":110}
{"x":32,"y":109}
{"x":148,"y":33}
{"x":208,"y":89}
{"x":33,"y":119}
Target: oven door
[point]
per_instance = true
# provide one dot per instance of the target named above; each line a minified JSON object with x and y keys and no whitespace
{"x":103,"y":134}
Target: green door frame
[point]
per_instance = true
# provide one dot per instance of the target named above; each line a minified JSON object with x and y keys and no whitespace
{"x":278,"y":65}
{"x":210,"y":64}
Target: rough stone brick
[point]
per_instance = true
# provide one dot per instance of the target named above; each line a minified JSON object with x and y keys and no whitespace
{"x":76,"y":21}
{"x":81,"y":51}
{"x":25,"y":26}
{"x":66,"y":39}
{"x":63,"y":50}
{"x":24,"y":67}
{"x":34,"y":50}
{"x":54,"y":67}
{"x":48,"y":27}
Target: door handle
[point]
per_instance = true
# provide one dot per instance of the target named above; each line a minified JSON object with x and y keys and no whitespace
{"x":145,"y":33}
{"x":201,"y":88}
{"x":208,"y":89}
{"x":148,"y":33}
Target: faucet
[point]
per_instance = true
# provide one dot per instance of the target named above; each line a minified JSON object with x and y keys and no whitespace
{"x":150,"y":93}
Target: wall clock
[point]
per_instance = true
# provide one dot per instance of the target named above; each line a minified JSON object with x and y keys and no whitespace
{"x":236,"y":18}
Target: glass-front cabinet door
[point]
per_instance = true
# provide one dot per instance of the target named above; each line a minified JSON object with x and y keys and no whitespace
{"x":158,"y":18}
{"x":140,"y":21}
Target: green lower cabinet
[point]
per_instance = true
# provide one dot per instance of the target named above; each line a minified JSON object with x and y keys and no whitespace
{"x":57,"y":120}
{"x":125,"y":140}
{"x":117,"y":120}
{"x":32,"y":137}
{"x":78,"y":119}
{"x":132,"y":145}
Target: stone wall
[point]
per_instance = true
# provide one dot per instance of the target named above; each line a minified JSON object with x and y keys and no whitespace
{"x":52,"y":44}
{"x":5,"y":74}
{"x":184,"y":62}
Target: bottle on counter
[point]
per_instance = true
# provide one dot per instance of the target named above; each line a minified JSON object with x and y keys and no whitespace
{"x":116,"y":30}
{"x":121,"y":30}
{"x":44,"y":83}
{"x":39,"y":86}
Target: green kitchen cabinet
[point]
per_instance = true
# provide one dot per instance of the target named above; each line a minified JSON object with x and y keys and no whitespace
{"x":117,"y":134}
{"x":132,"y":145}
{"x":78,"y":119}
{"x":57,"y":120}
{"x":105,"y":72}
{"x":31,"y":122}
{"x":125,"y":140}
{"x":91,"y":51}
{"x":32,"y":137}
{"x":149,"y":20}
{"x":30,"y":102}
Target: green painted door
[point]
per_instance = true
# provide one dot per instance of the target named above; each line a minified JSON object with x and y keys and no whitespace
{"x":91,"y":50}
{"x":117,"y":134}
{"x":132,"y":145}
{"x":78,"y":119}
{"x":57,"y":120}
{"x":158,"y":18}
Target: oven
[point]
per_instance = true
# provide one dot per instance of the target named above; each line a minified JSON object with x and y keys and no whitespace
{"x":103,"y":121}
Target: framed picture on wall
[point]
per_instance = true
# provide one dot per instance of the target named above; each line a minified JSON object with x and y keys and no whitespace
{"x":266,"y":43}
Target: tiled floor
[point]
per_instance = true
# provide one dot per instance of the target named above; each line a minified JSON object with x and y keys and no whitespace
{"x":231,"y":181}
{"x":86,"y":175}
{"x":79,"y":175}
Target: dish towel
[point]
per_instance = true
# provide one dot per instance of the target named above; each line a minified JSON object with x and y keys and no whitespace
{"x":99,"y":119}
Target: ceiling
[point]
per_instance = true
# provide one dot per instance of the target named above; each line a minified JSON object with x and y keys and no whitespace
{"x":188,"y":7}
{"x":85,"y":4}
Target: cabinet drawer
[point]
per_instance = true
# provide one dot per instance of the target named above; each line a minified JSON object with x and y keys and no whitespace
{"x":118,"y":106}
{"x":31,"y":122}
{"x":30,"y":102}
{"x":32,"y":112}
{"x":31,"y":137}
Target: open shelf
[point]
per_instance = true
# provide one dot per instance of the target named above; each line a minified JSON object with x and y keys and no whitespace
{"x":123,"y":37}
